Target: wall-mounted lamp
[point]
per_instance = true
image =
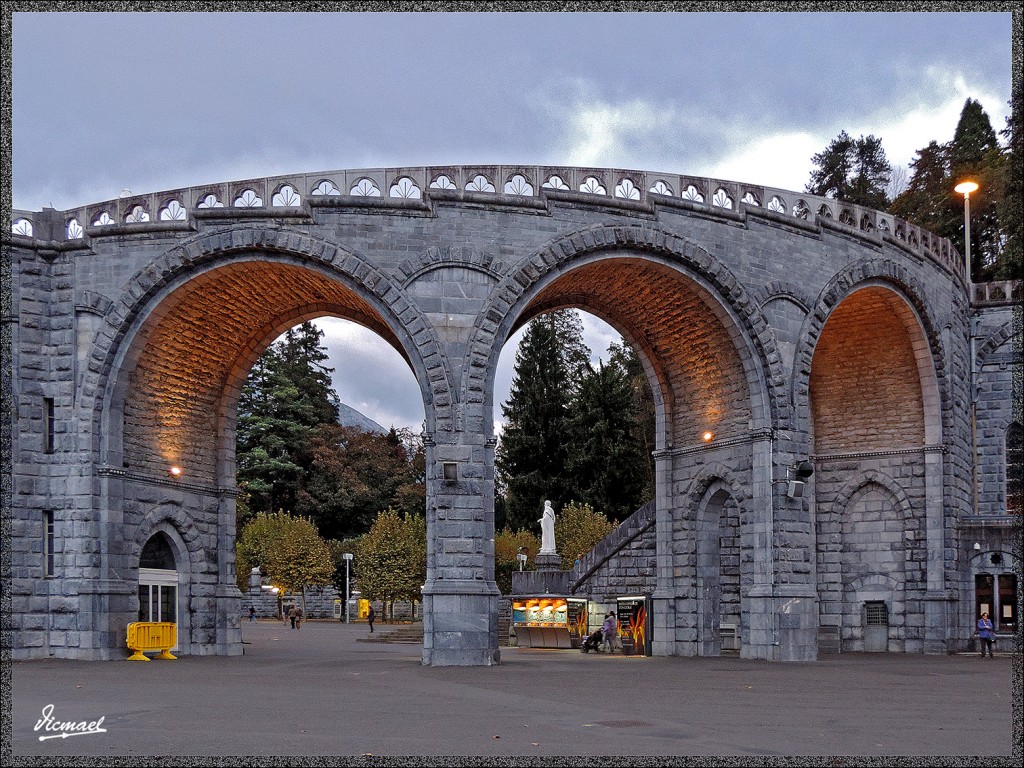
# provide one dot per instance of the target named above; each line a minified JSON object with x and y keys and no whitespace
{"x":174,"y":472}
{"x":708,"y":436}
{"x":450,"y":471}
{"x":977,"y":547}
{"x":803,"y":470}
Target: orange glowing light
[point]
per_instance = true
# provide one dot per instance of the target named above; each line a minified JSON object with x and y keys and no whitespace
{"x":708,"y":436}
{"x":174,"y":471}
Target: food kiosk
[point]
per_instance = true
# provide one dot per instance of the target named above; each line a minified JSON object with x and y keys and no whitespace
{"x":549,"y":621}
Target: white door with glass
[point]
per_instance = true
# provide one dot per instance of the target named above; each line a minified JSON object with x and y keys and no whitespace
{"x":158,"y":595}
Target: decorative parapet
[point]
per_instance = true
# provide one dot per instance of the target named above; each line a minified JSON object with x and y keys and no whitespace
{"x":996,"y":292}
{"x":417,"y":189}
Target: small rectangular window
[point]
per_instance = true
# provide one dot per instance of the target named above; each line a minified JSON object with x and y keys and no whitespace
{"x":48,"y":543}
{"x":877,"y":614}
{"x":48,"y":424}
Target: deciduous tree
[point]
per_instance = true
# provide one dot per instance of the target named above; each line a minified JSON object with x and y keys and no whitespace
{"x":392,"y":558}
{"x":578,"y":528}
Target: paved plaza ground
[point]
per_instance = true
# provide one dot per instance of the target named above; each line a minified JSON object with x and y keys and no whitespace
{"x":317,"y":691}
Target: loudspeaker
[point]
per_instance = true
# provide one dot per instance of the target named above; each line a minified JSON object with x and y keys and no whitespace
{"x":796,"y":489}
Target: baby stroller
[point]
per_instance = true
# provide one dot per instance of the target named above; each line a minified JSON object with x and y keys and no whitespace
{"x":592,"y":642}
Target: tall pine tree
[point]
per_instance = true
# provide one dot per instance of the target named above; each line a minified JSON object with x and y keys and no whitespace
{"x":930,"y":202}
{"x":287,"y":395}
{"x":852,"y":170}
{"x":605,"y":462}
{"x":975,"y":154}
{"x":531,"y":457}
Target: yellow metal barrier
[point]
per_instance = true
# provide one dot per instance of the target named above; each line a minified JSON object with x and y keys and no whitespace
{"x":152,"y":636}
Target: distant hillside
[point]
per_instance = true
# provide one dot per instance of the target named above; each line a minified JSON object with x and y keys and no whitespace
{"x":350,"y":417}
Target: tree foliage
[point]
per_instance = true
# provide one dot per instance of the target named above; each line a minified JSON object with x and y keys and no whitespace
{"x":287,"y":395}
{"x":507,"y":545}
{"x":1010,"y":263}
{"x":852,"y":170}
{"x":354,"y":475}
{"x":578,"y":528}
{"x":392,"y":558}
{"x":288,"y":551}
{"x":531,"y":458}
{"x":973,"y":154}
{"x":605,"y":458}
{"x":643,"y":410}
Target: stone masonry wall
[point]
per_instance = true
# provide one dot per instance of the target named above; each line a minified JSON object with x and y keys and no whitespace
{"x":142,"y":333}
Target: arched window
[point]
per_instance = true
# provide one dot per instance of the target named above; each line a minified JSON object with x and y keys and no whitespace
{"x":157,"y":554}
{"x":1014,"y":468}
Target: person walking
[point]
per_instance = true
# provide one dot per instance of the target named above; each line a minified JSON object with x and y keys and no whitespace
{"x":370,"y":617}
{"x":985,"y":634}
{"x":252,"y":614}
{"x":293,"y":614}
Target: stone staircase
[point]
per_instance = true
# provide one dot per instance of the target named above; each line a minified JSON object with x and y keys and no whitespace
{"x":404,"y":633}
{"x":624,"y":533}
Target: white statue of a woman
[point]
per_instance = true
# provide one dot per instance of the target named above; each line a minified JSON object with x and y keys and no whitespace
{"x":547,"y":530}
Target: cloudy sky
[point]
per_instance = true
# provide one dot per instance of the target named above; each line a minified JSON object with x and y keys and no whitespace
{"x":153,"y":101}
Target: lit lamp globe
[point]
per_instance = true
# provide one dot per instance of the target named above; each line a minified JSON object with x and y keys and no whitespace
{"x":965,"y":188}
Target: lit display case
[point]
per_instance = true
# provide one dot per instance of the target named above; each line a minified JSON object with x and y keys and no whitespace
{"x":549,"y":621}
{"x":634,"y":625}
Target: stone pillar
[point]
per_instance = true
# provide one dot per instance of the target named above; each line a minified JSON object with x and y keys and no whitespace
{"x":228,"y":596}
{"x":460,"y":597}
{"x":783,"y":605}
{"x":663,"y":600}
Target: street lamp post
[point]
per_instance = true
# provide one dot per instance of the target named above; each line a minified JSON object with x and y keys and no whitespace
{"x":965,"y":188}
{"x":347,"y":556}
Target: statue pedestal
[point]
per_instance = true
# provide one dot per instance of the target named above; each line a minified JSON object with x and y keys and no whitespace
{"x":550,"y":562}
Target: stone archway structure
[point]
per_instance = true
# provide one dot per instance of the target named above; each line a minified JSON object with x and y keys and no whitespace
{"x":134,"y":322}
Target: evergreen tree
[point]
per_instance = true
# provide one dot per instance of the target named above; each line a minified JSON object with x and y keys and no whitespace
{"x":927,"y":201}
{"x":642,"y":410}
{"x":975,"y":154}
{"x":1010,"y":265}
{"x":531,"y":457}
{"x":930,"y":201}
{"x":852,"y":170}
{"x":605,"y":460}
{"x":287,"y":395}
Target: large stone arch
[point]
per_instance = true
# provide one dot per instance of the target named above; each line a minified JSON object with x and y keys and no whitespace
{"x":867,"y":273}
{"x":722,"y":375}
{"x":520,"y":296}
{"x":870,"y":396}
{"x":170,"y":359}
{"x":399,"y":321}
